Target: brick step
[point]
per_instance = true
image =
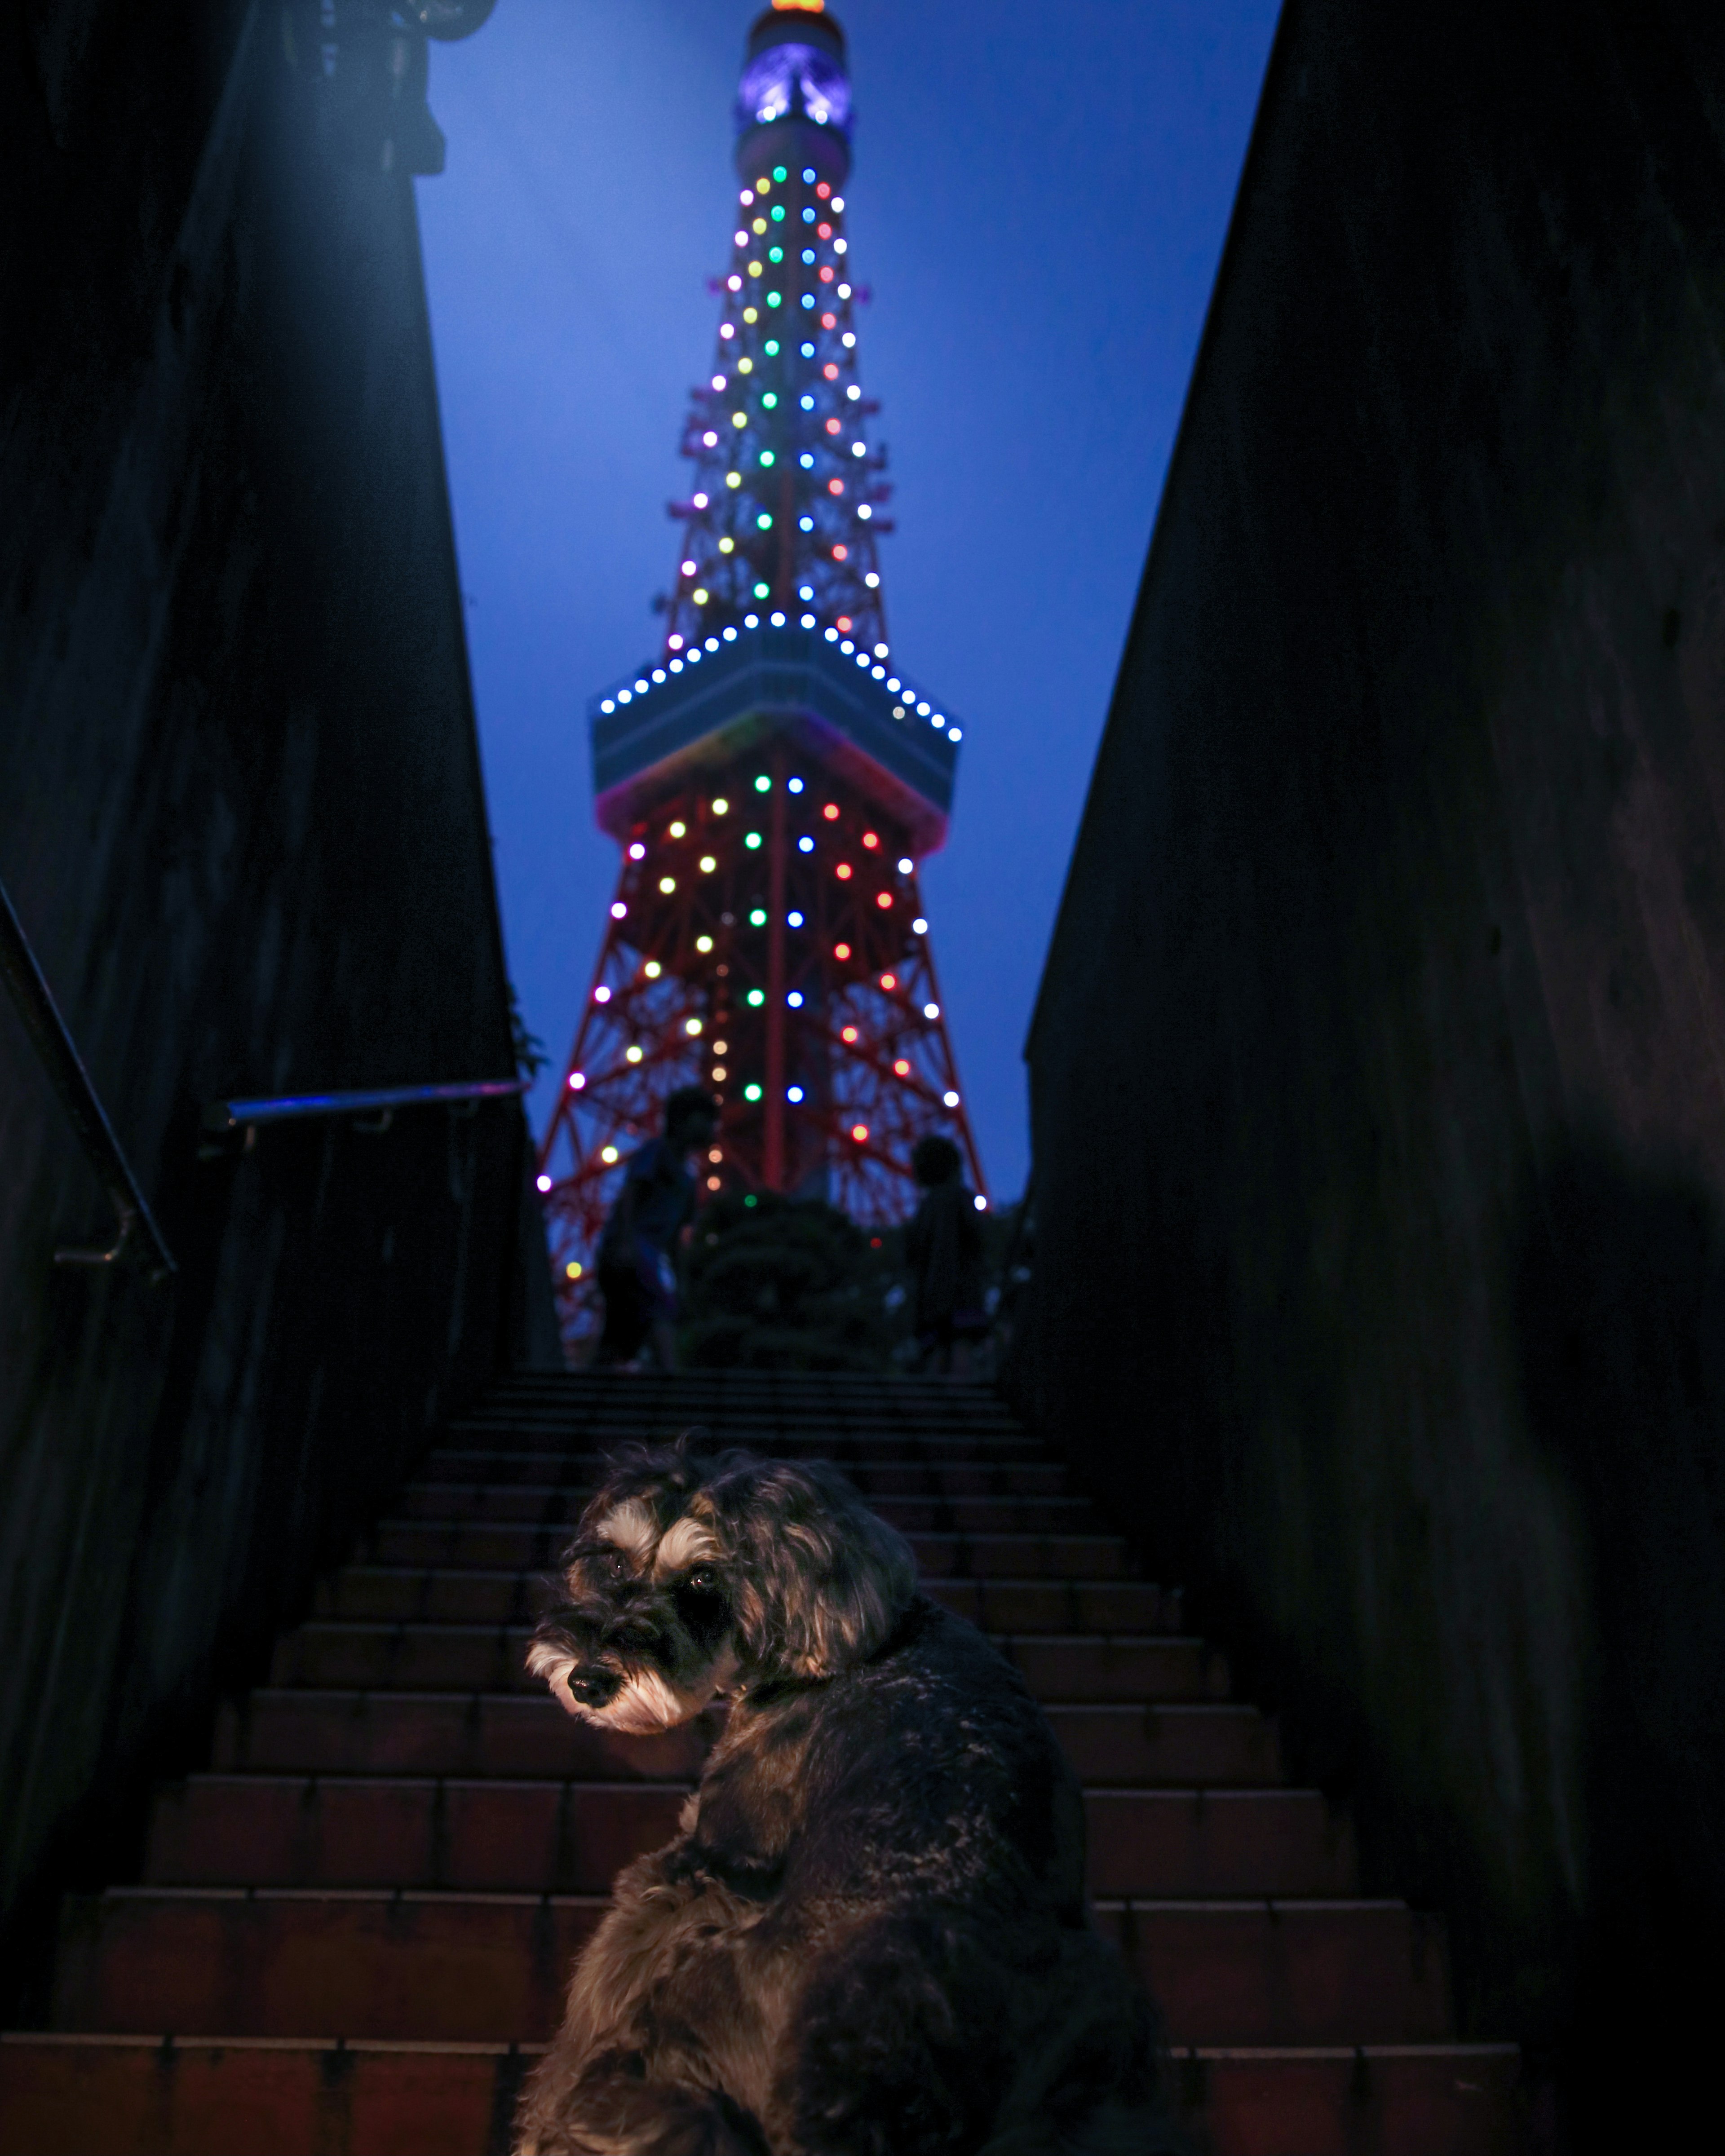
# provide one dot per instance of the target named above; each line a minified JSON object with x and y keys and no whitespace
{"x":66,"y":2095}
{"x":473,"y":1734}
{"x":353,"y":1655}
{"x":494,"y":1469}
{"x":547,"y":1505}
{"x":932,"y":1448}
{"x":464,"y":1544}
{"x":573,"y":1837}
{"x":379,"y":1593}
{"x":741,"y":1406}
{"x":479,"y":1734}
{"x":469,"y":1968}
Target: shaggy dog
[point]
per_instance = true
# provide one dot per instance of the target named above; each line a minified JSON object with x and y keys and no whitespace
{"x":869,"y":1935}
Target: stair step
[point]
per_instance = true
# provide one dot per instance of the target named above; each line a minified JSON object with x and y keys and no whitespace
{"x":482,"y":1734}
{"x":1182,"y":1745}
{"x":539,"y":1505}
{"x":467,"y":1543}
{"x":574,"y":1837}
{"x":933,"y":1447}
{"x":67,"y":2095}
{"x":493,"y":1967}
{"x":492,"y":1468}
{"x":474,"y":1734}
{"x":424,"y":1657}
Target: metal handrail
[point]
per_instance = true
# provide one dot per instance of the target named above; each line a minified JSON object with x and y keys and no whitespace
{"x":60,"y":1058}
{"x":381,"y":1102}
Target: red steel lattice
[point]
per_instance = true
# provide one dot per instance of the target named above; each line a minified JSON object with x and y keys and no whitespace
{"x":813,"y":1013}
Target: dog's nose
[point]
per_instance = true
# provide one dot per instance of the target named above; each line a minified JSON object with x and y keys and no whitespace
{"x":594,"y":1687}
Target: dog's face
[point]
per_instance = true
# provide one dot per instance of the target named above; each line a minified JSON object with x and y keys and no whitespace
{"x":688,"y":1574}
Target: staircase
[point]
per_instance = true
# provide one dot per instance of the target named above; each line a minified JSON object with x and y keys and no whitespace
{"x":355,"y":1929}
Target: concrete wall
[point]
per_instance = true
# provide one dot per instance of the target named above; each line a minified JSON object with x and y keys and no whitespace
{"x":1378,"y":1074}
{"x":241,"y":818}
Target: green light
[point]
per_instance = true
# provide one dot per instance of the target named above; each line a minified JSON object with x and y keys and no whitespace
{"x":763,"y":784}
{"x":751,"y":1199}
{"x":751,"y":1093}
{"x":775,"y":255}
{"x":762,"y":590}
{"x":757,"y":919}
{"x":771,"y":347}
{"x":769,"y":400}
{"x":753,"y":842}
{"x":767,"y":458}
{"x":779,"y":212}
{"x":756,"y":997}
{"x":778,"y":172}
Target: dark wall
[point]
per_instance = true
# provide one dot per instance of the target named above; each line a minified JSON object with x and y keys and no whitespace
{"x":241,"y":819}
{"x":1378,"y":1074}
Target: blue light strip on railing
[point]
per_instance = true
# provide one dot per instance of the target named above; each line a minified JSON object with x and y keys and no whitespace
{"x":233,"y":1115}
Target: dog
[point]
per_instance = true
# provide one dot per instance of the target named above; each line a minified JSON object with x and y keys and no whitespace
{"x":869,"y":1937}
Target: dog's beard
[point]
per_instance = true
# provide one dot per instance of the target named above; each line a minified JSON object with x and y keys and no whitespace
{"x":647,"y":1702}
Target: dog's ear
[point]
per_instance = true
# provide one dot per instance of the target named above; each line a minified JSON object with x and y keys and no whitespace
{"x":817,"y":1581}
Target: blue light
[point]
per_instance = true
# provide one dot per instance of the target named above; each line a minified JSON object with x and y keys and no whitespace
{"x":805,"y":845}
{"x":793,"y":1093}
{"x":807,"y":464}
{"x":808,"y":351}
{"x":793,"y":786}
{"x":795,"y":999}
{"x":793,"y":920}
{"x":806,"y":523}
{"x":810,"y":176}
{"x":807,"y":302}
{"x":809,"y":256}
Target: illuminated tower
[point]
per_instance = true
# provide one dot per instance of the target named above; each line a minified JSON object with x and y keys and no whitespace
{"x":774,"y":776}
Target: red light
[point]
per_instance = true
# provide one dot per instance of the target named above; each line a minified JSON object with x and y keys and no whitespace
{"x":831,"y":812}
{"x":885,"y":898}
{"x":841,"y":950}
{"x":830,"y":371}
{"x":860,"y":1132}
{"x":844,"y":871}
{"x":901,"y":1069}
{"x":835,"y":486}
{"x":845,"y":621}
{"x":873,"y":1242}
{"x":840,"y":553}
{"x":889,"y":980}
{"x":823,"y":191}
{"x":849,"y":1033}
{"x":830,"y":322}
{"x":870,"y":839}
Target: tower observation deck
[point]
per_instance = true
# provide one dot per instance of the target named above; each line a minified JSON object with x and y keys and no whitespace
{"x":774,"y":775}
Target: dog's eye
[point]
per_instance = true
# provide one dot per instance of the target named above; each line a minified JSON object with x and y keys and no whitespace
{"x":704,"y":1580}
{"x":611,"y":1564}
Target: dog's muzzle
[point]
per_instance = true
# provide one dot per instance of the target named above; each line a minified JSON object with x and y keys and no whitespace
{"x":593,"y":1686}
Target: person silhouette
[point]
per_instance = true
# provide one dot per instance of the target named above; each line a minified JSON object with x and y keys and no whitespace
{"x":638,"y":1249}
{"x":943,"y":1248}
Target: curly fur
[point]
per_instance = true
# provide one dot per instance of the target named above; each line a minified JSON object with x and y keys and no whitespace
{"x":869,"y":1937}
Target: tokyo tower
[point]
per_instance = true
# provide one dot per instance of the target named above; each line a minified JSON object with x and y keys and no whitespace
{"x":774,"y":776}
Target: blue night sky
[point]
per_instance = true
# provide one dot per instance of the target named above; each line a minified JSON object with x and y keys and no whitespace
{"x":1039,"y":200}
